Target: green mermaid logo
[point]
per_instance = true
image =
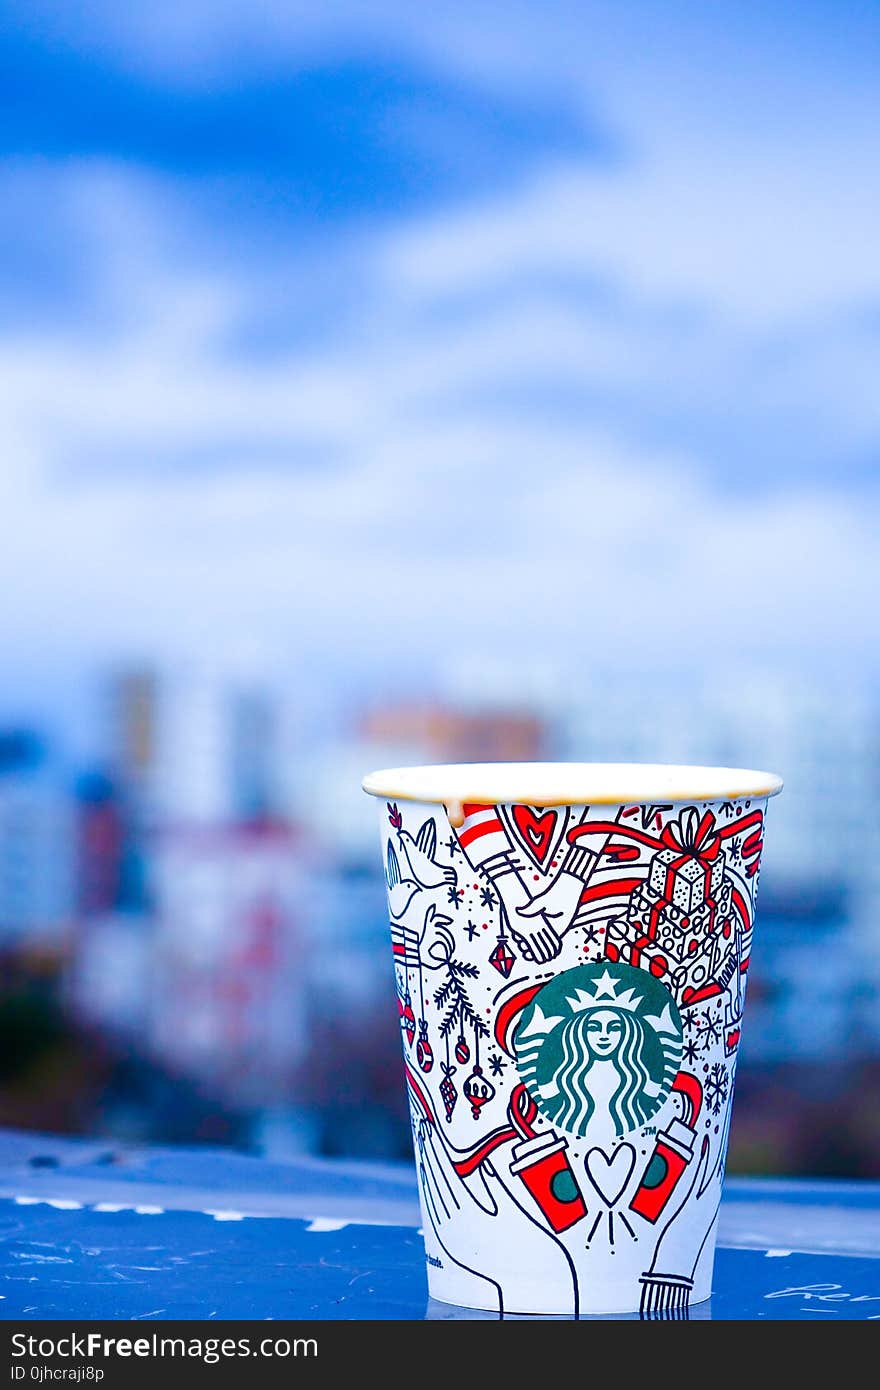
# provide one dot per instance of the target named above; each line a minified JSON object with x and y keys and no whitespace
{"x":600,"y":1041}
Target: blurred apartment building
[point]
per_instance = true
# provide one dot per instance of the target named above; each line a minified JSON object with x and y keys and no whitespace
{"x":190,"y":935}
{"x":228,"y":998}
{"x":36,"y":846}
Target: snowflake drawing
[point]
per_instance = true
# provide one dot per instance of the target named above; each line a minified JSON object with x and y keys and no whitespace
{"x":709,"y":1029}
{"x":496,"y":1064}
{"x":487,"y":898}
{"x":455,"y":895}
{"x":690,"y":1052}
{"x":453,"y":846}
{"x":716,"y":1087}
{"x":471,"y":930}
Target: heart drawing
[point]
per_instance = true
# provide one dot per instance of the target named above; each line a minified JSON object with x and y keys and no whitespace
{"x":610,"y":1176}
{"x":537,"y":830}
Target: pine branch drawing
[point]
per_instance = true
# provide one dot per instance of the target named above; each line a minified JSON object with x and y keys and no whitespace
{"x":453,"y":993}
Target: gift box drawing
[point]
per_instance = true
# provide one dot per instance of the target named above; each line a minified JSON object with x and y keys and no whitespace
{"x":689,"y":869}
{"x":678,"y":920}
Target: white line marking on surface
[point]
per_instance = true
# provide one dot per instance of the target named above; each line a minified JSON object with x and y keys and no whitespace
{"x":30,"y":1257}
{"x":60,"y":1203}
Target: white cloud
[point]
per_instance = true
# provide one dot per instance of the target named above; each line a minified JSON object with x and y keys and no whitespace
{"x":743,"y":237}
{"x":402,"y":489}
{"x":467,"y":536}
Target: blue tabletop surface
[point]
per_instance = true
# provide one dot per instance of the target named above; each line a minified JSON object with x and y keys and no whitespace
{"x":89,"y":1230}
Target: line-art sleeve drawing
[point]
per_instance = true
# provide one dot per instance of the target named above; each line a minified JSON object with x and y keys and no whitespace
{"x":430,"y":946}
{"x":453,"y":1214}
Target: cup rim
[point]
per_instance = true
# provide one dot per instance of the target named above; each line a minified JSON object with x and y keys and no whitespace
{"x":568,"y":784}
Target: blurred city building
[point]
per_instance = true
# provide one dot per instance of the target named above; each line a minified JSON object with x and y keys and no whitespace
{"x":190,"y":945}
{"x":194,"y":748}
{"x":100,"y":846}
{"x":228,"y":1003}
{"x":37,"y":828}
{"x":460,"y":735}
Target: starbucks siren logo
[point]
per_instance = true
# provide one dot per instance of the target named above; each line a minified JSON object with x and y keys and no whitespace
{"x":600,"y":1040}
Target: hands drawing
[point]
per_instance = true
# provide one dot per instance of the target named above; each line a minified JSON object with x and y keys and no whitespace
{"x":461,"y":1216}
{"x":463,"y":1219}
{"x":436,"y":942}
{"x":542,"y":922}
{"x":680,"y":1250}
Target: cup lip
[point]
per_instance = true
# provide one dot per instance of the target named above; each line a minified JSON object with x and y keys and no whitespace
{"x":569,"y":784}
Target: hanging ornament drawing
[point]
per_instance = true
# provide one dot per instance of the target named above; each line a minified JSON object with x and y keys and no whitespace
{"x":477,"y":1090}
{"x":502,"y":957}
{"x":424,"y":1050}
{"x":448,"y":1091}
{"x":462,"y":1051}
{"x":408,"y":1020}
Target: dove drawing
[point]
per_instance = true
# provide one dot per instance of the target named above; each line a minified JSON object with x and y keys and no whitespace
{"x":401,"y":891}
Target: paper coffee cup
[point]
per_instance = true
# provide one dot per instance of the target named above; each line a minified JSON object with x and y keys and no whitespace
{"x":571,"y":944}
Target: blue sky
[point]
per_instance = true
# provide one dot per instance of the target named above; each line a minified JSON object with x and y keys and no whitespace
{"x":345,"y":342}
